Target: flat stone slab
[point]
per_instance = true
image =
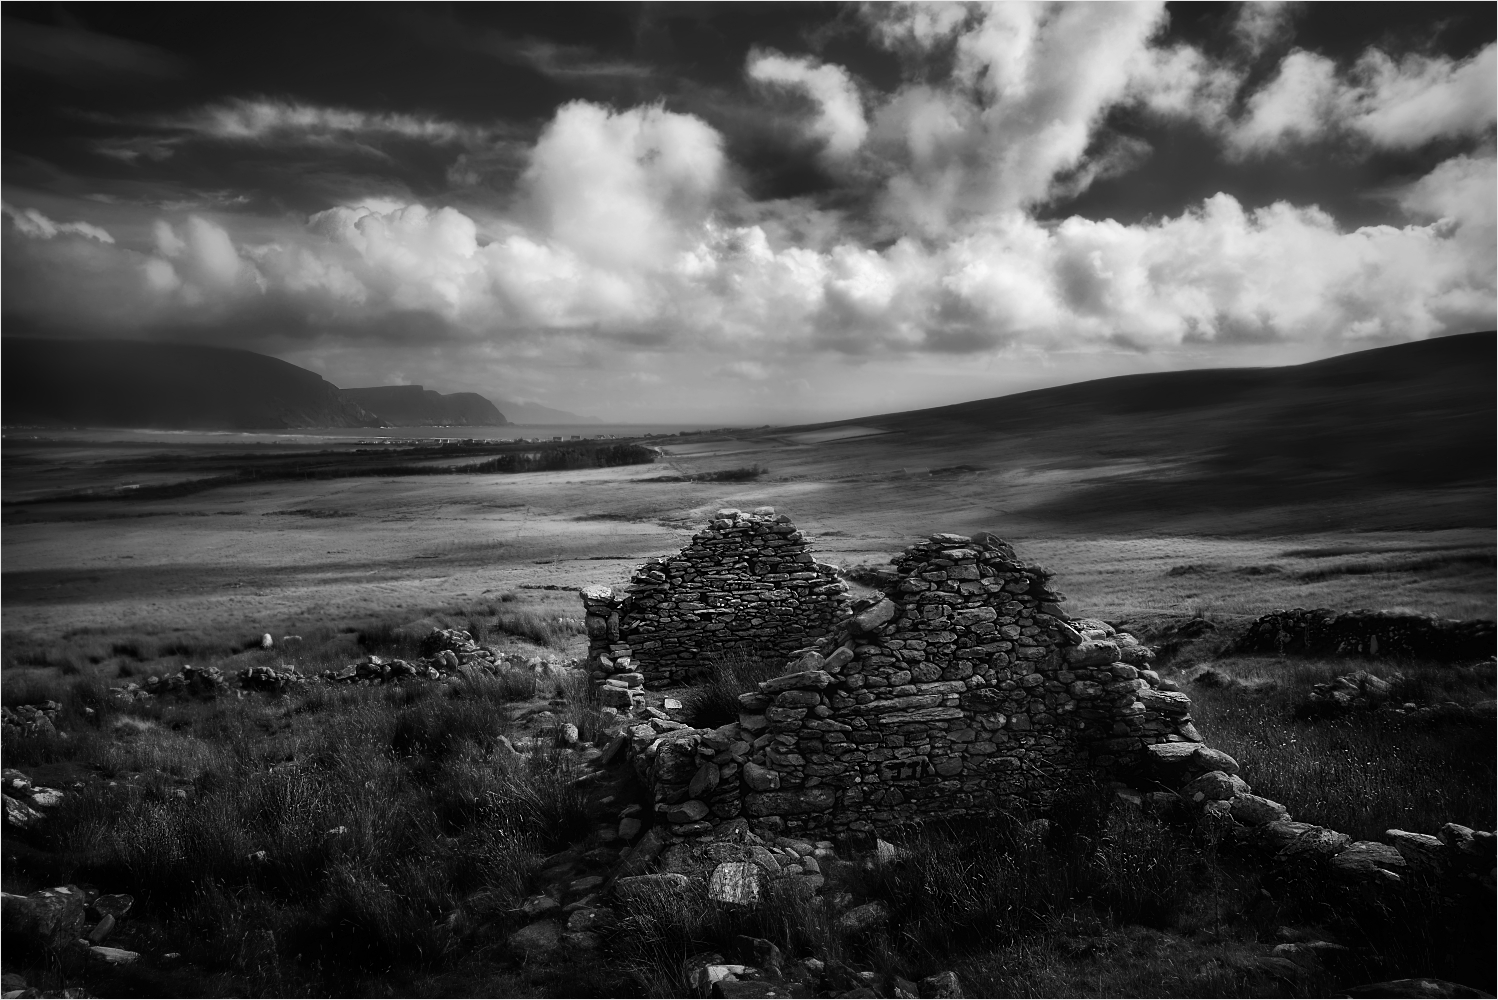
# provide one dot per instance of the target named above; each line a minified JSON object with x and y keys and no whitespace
{"x":736,"y":883}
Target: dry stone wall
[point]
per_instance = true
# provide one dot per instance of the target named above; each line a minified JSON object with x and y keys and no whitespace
{"x":747,"y":582}
{"x":965,"y":690}
{"x":1322,"y":631}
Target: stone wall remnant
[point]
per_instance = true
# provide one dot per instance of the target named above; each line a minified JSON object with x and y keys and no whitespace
{"x":1324,"y":632}
{"x":746,"y":583}
{"x":963,"y":691}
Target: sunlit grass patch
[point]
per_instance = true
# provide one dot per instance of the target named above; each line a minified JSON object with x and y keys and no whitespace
{"x":1365,"y":772}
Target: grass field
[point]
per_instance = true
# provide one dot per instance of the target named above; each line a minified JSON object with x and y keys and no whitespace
{"x":377,"y":841}
{"x":1222,"y":502}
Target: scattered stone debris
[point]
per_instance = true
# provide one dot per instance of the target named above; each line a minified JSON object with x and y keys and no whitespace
{"x":1364,"y":692}
{"x":1349,"y":692}
{"x":29,"y":720}
{"x":1325,"y":632}
{"x":448,"y":652}
{"x":26,"y":803}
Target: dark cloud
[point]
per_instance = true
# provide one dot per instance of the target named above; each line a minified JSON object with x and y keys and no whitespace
{"x":74,"y":54}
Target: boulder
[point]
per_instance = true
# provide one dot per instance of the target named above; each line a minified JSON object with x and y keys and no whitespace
{"x":19,"y":815}
{"x":591,"y":920}
{"x":1166,"y":702}
{"x":790,"y":803}
{"x":644,"y":886}
{"x":870,"y":619}
{"x":760,"y":779}
{"x":1419,"y":850}
{"x":863,"y":918}
{"x":1291,"y":839}
{"x":808,"y":679}
{"x":538,"y":941}
{"x":1255,"y":810}
{"x":689,"y":811}
{"x":1208,"y":759}
{"x":1365,"y":860}
{"x":735,"y":883}
{"x":942,"y":986}
{"x":539,"y":906}
{"x":50,"y":919}
{"x":113,"y":905}
{"x":1092,"y":653}
{"x":1214,"y":785}
{"x":704,"y":781}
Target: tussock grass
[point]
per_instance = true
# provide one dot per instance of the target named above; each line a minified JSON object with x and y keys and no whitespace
{"x":1362,"y":773}
{"x":715,"y":701}
{"x":393,"y":822}
{"x":540,"y":628}
{"x":958,"y":896}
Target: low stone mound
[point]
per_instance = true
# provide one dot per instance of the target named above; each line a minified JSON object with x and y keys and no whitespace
{"x":1323,"y":632}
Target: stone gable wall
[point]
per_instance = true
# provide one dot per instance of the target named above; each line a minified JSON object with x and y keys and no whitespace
{"x":746,"y":582}
{"x":965,"y":690}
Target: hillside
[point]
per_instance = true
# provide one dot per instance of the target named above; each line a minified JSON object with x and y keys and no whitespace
{"x":414,"y":406}
{"x":1410,"y":418}
{"x":535,"y":413}
{"x":116,"y":383}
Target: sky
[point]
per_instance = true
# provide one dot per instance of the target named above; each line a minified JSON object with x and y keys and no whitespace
{"x":750,"y":213}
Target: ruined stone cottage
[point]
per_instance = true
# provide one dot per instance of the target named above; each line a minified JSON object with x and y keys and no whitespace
{"x":746,"y":584}
{"x":964,"y":690}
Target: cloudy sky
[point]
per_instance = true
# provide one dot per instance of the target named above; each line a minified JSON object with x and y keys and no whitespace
{"x":751,"y":213}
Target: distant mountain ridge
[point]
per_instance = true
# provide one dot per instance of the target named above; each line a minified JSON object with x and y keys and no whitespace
{"x":415,"y":406}
{"x":132,"y":383}
{"x":535,"y":413}
{"x":123,"y":383}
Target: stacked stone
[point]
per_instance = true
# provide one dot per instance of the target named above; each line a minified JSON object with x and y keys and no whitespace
{"x":608,"y":653}
{"x":1368,"y":633}
{"x":1207,"y":780}
{"x":695,"y":773}
{"x":29,"y":720}
{"x":1131,"y":710}
{"x":964,"y":691}
{"x":745,"y":583}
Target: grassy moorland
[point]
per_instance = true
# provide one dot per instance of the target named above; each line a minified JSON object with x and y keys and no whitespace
{"x":356,"y":841}
{"x":1349,"y":485}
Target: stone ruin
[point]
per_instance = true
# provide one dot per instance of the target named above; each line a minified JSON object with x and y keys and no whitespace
{"x":746,"y":583}
{"x":963,"y":691}
{"x":1324,"y":632}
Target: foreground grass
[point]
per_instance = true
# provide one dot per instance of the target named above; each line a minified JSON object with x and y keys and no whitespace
{"x":283,"y":846}
{"x":34,"y":667}
{"x":1363,"y":773}
{"x":375,"y":841}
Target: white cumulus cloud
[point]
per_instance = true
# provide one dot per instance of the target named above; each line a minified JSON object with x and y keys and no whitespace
{"x":1387,"y":103}
{"x":32,"y":223}
{"x":839,"y":123}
